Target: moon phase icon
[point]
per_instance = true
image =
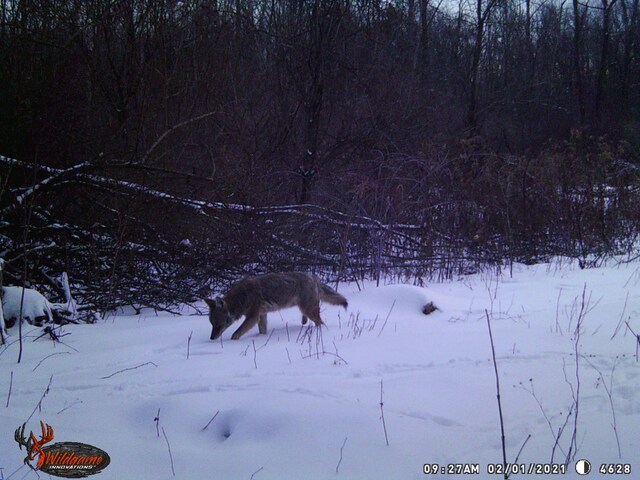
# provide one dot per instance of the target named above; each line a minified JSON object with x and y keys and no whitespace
{"x":583,"y":467}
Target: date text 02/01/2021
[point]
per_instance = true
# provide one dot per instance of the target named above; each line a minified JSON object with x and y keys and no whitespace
{"x":520,"y":468}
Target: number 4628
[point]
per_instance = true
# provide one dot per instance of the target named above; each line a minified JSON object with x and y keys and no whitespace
{"x":615,"y":468}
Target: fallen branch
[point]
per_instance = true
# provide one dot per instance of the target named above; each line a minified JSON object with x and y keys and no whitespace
{"x":52,"y":334}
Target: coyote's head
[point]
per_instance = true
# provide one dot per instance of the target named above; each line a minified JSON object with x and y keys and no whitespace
{"x":219,"y":316}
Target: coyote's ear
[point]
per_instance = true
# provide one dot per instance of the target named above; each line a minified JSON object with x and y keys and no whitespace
{"x":220,"y":303}
{"x":216,"y":304}
{"x":211,"y":303}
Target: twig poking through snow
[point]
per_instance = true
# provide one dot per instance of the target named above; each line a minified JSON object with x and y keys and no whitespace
{"x":189,"y":343}
{"x":48,"y":356}
{"x":609,"y":390}
{"x":568,"y":416}
{"x":521,"y":448}
{"x":637,"y":338}
{"x":157,"y":422}
{"x":338,"y":357}
{"x":39,"y":405}
{"x":169,"y":448}
{"x":384,"y":425}
{"x":341,"y":449}
{"x":255,"y":354}
{"x":77,"y":402}
{"x":558,"y":327}
{"x":495,"y":367}
{"x":584,"y":309}
{"x":127,"y":369}
{"x":557,"y":436}
{"x":385,"y":320}
{"x":268,"y":338}
{"x":212,"y":419}
{"x":9,"y":394}
{"x":257,"y":471}
{"x":624,"y":309}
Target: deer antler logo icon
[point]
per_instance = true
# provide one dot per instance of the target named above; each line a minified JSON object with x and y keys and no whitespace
{"x":61,"y":459}
{"x":33,"y":445}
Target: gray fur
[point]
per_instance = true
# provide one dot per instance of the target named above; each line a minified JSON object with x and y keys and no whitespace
{"x":256,"y":296}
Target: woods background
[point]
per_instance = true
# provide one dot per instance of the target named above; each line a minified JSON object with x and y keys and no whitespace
{"x":155,"y":150}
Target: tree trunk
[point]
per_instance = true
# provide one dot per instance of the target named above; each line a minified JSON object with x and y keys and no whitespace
{"x":312,"y":104}
{"x":604,"y":57}
{"x":312,"y":108}
{"x":472,"y":110}
{"x":577,"y":60}
{"x":423,"y":46}
{"x":630,"y":20}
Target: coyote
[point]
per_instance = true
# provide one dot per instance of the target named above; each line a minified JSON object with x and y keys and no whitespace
{"x":254,"y":297}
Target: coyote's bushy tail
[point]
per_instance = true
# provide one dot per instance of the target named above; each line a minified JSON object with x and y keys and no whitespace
{"x":329,"y":295}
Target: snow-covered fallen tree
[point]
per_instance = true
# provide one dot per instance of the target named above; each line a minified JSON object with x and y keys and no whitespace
{"x":36,"y":309}
{"x":26,"y":303}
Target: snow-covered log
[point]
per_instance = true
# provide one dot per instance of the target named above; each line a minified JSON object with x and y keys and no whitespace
{"x":26,"y":303}
{"x":36,"y":309}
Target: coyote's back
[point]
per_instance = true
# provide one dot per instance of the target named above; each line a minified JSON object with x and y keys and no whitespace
{"x":255,"y":296}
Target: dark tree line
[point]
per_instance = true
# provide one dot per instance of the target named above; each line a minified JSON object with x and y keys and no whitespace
{"x":153,"y":149}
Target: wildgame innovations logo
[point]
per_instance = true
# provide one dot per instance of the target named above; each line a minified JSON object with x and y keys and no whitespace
{"x":63,"y":459}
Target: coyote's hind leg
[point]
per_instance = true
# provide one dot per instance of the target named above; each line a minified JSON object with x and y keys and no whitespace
{"x":262,"y":323}
{"x":314,"y":314}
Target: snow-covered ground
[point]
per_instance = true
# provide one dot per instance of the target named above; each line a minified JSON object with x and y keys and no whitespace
{"x":295,"y":405}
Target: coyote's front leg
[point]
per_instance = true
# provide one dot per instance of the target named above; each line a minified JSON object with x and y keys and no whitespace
{"x":250,"y":321}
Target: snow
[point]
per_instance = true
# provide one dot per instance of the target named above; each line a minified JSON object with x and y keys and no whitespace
{"x":284,"y":409}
